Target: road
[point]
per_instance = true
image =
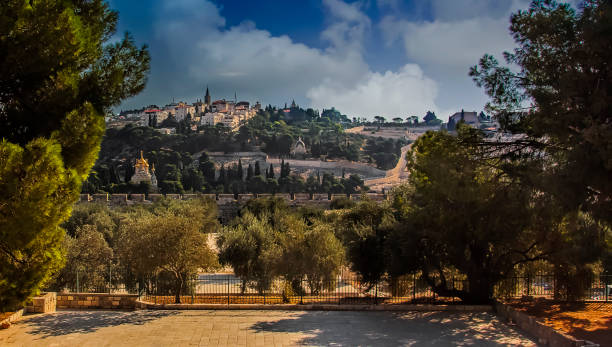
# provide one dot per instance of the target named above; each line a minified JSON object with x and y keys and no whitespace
{"x":392,"y":177}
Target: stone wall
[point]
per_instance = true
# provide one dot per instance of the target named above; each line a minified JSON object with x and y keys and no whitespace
{"x":545,"y":335}
{"x":43,"y":303}
{"x":96,"y":301}
{"x":229,"y":204}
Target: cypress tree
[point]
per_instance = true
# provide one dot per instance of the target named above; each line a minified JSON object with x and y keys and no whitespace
{"x":239,"y":173}
{"x":249,"y":172}
{"x":257,"y":169}
{"x":271,"y":171}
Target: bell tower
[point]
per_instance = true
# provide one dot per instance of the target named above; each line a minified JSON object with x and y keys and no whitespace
{"x":207,"y":98}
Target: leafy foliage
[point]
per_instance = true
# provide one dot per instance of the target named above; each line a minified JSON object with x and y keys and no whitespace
{"x":268,"y":241}
{"x":59,"y":76}
{"x":563,"y":73}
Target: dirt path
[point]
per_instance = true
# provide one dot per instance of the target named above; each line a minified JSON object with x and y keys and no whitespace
{"x":392,"y":177}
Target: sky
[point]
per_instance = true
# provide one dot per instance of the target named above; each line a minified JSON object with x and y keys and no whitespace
{"x":366,"y":58}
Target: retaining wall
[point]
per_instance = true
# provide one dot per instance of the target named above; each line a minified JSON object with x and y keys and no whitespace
{"x":546,"y":335}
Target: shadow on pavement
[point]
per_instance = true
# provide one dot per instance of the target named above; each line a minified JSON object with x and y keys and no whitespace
{"x":393,"y":329}
{"x":68,"y":322}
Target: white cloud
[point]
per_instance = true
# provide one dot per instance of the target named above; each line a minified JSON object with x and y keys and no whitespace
{"x":404,"y":93}
{"x":194,"y":48}
{"x":449,"y":45}
{"x":460,"y":33}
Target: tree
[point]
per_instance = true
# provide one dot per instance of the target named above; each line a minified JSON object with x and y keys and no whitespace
{"x":257,"y":171}
{"x":271,"y":171}
{"x":398,"y":120}
{"x":563,"y":73}
{"x":269,"y":241}
{"x":249,"y":247}
{"x":249,"y":172}
{"x":380,"y":120}
{"x":172,"y":240}
{"x":311,"y":253}
{"x":451,"y":223}
{"x":88,"y":256}
{"x":431,"y":119}
{"x":239,"y":170}
{"x":60,"y":75}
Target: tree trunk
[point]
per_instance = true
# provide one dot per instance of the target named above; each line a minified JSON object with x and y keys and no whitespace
{"x":480,"y":290}
{"x":178,"y":289}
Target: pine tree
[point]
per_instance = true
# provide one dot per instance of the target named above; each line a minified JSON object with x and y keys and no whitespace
{"x":60,"y":75}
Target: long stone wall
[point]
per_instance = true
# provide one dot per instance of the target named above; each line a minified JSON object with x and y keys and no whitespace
{"x":229,"y":204}
{"x":224,"y":199}
{"x":96,"y":300}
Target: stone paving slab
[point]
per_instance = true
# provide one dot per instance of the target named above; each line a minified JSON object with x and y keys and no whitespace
{"x":261,"y":328}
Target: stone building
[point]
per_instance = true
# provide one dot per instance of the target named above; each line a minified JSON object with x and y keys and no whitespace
{"x":298,"y":150}
{"x":142,"y":172}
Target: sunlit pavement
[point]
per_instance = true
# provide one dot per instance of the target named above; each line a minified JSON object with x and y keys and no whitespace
{"x":260,"y":328}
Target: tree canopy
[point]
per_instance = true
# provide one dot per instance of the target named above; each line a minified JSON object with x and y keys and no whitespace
{"x":59,"y":74}
{"x":556,"y":92}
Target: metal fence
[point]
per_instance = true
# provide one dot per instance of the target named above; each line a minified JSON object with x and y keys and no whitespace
{"x":228,"y":289}
{"x":595,"y":288}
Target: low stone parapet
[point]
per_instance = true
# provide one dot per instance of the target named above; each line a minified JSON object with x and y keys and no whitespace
{"x":100,"y":197}
{"x":226,"y":198}
{"x":319,"y":197}
{"x":242,"y":198}
{"x":173,"y":196}
{"x":137,"y":197}
{"x":376,"y":196}
{"x":547,"y":336}
{"x":284,"y":196}
{"x":43,"y":303}
{"x":155,"y":197}
{"x":96,"y":301}
{"x":338,"y":196}
{"x":119,"y":199}
{"x":317,"y":307}
{"x":210,"y":196}
{"x":8,"y":321}
{"x":301,"y":196}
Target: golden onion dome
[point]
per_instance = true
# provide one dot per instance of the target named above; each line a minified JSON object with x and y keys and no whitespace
{"x":141,"y":162}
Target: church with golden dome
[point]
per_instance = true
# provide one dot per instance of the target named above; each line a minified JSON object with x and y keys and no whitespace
{"x":142,"y":172}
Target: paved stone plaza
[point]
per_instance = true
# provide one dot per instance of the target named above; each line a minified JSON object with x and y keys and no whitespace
{"x":260,"y":328}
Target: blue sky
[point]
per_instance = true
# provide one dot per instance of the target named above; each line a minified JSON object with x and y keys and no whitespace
{"x":366,"y":58}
